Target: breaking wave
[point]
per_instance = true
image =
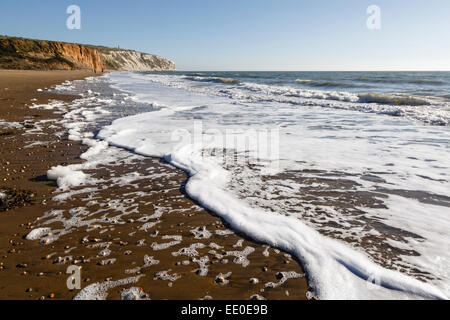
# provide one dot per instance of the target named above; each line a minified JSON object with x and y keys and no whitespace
{"x":393,"y":99}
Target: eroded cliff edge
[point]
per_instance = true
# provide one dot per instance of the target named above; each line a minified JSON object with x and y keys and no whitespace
{"x":29,"y":54}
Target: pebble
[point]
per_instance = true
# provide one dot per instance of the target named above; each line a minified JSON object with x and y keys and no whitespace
{"x":220,"y":279}
{"x":254,"y":281}
{"x":257,"y":297}
{"x":58,"y":260}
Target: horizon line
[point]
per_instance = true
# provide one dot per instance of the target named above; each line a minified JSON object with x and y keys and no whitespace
{"x":362,"y":70}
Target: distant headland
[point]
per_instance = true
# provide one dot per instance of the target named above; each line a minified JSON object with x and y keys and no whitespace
{"x":31,"y":54}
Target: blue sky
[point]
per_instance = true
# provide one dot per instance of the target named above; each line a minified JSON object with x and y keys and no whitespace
{"x":251,"y":34}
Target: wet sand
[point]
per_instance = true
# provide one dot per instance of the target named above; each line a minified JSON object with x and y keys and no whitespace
{"x":145,"y":229}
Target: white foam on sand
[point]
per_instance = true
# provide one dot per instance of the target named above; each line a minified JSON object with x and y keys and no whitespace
{"x":38,"y":233}
{"x":99,"y":291}
{"x":10,"y":125}
{"x":335,"y":270}
{"x":66,"y":177}
{"x":415,"y":154}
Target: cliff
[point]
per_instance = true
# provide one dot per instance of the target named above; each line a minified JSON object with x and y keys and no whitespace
{"x":128,"y":60}
{"x":18,"y":53}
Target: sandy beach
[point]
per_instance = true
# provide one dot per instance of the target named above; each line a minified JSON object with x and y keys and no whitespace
{"x":185,"y":252}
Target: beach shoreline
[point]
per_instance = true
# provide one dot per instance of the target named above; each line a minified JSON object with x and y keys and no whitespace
{"x":29,"y":270}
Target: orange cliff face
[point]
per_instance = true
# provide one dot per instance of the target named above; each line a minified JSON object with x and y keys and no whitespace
{"x":16,"y":53}
{"x":81,"y":55}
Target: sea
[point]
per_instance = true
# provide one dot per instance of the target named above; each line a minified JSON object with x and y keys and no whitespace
{"x":347,"y":171}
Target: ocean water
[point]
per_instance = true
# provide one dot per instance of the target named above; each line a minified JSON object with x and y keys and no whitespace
{"x":348,"y":171}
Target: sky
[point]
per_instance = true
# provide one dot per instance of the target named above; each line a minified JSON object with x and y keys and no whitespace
{"x":266,"y":35}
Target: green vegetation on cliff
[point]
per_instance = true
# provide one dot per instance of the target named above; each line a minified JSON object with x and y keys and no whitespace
{"x":21,"y":53}
{"x":30,"y":54}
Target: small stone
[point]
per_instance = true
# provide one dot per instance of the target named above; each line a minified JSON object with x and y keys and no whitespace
{"x":58,"y":260}
{"x":254,"y":281}
{"x":51,"y":295}
{"x":220,"y":279}
{"x":265,"y":269}
{"x":29,"y":290}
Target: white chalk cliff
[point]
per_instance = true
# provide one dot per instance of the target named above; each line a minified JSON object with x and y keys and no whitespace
{"x":128,"y":60}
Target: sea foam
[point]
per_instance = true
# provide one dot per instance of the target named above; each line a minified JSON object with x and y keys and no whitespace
{"x":335,"y":269}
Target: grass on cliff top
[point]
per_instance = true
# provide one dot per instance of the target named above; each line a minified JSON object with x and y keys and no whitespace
{"x":18,"y":57}
{"x":102,"y":49}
